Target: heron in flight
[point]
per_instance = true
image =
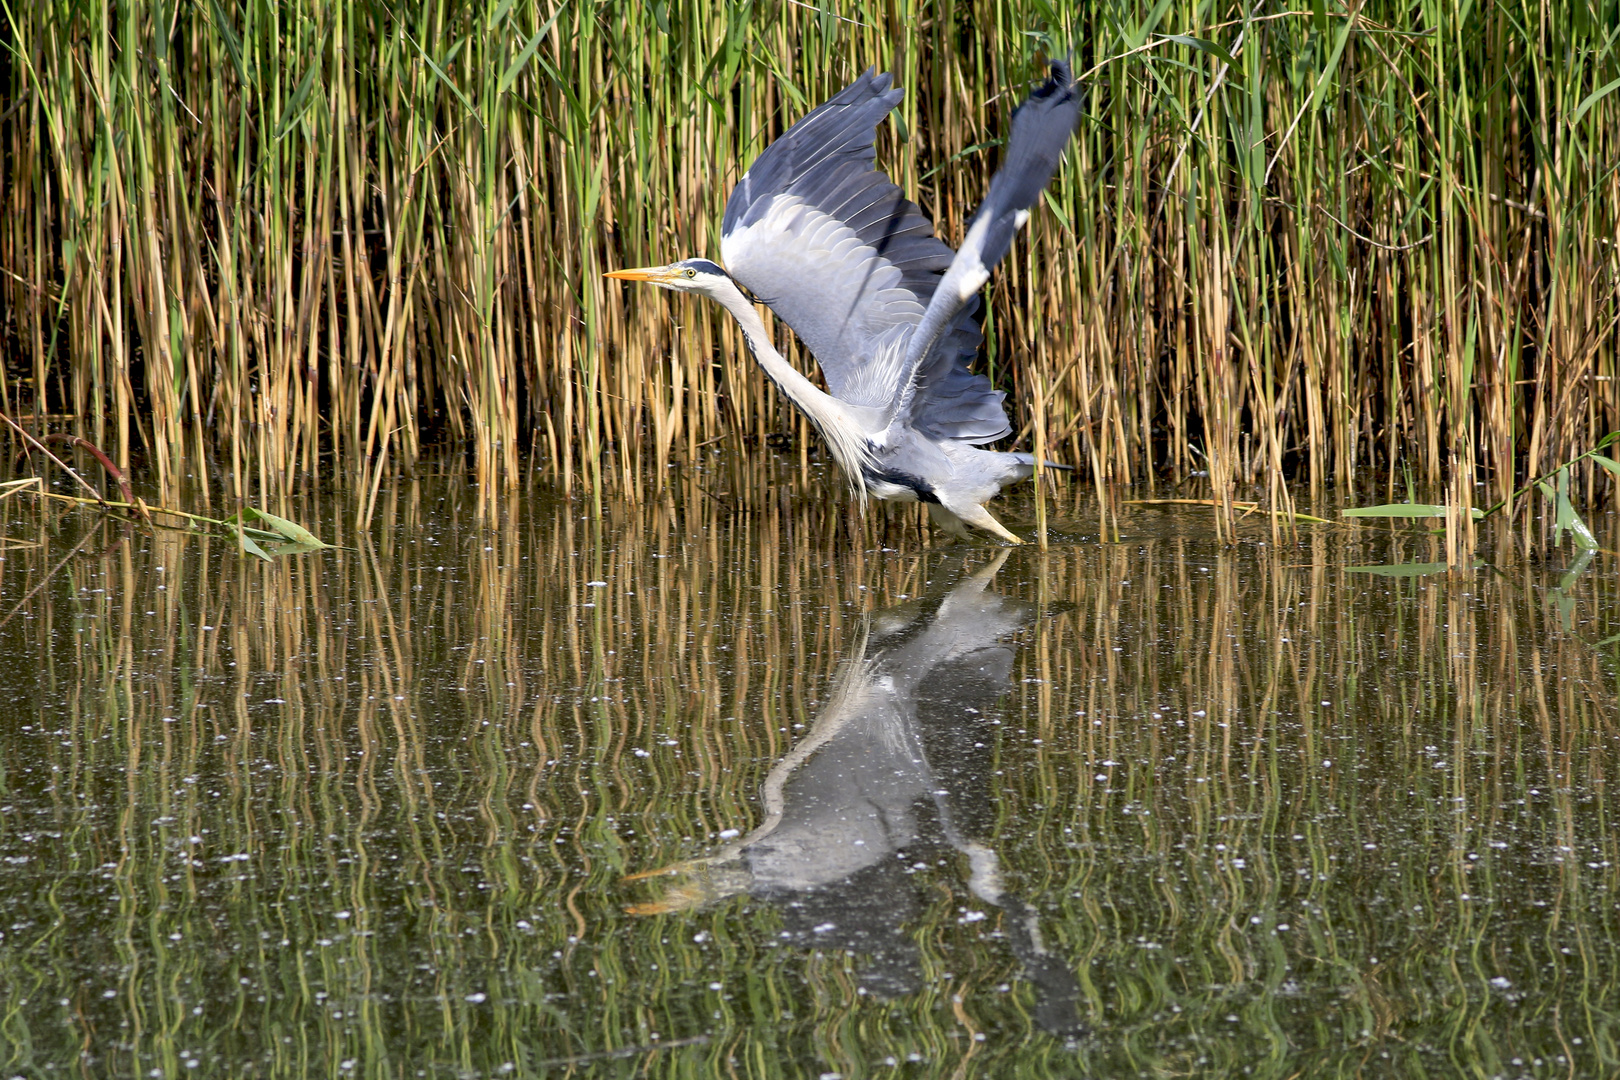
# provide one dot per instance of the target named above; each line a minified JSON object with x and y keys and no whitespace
{"x":835,"y":249}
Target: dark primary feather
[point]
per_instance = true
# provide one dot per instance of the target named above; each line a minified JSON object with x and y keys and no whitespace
{"x":839,"y":254}
{"x":1041,"y":128}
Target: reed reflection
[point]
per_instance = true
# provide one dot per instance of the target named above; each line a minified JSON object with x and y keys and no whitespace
{"x":894,"y":776}
{"x":1280,"y":816}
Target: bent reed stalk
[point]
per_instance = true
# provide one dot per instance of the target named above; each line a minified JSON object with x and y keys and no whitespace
{"x":248,"y":241}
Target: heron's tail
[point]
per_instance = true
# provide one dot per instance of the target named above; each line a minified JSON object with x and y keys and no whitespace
{"x":1029,"y":459}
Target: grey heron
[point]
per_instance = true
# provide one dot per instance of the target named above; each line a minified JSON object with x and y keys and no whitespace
{"x":835,"y":249}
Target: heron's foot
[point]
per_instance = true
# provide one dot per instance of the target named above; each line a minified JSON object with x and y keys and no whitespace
{"x":986,"y":521}
{"x":954,"y":521}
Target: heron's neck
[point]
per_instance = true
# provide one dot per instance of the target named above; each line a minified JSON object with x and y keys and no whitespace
{"x":809,"y":397}
{"x":843,"y":432}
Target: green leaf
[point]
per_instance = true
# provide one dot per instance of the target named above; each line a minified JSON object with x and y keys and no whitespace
{"x":1057,"y":211}
{"x":282,"y":537}
{"x":1136,"y":37}
{"x":288,"y":547}
{"x":1569,"y":519}
{"x":958,"y":156}
{"x":1405,"y":510}
{"x":515,"y":68}
{"x":247,"y":544}
{"x":1608,"y":463}
{"x":233,"y":44}
{"x":1591,"y":99}
{"x":1400,"y":570}
{"x":284,"y":529}
{"x":300,"y":98}
{"x":440,"y":74}
{"x":500,"y":13}
{"x":575,"y":106}
{"x":1332,"y":65}
{"x":1560,"y":594}
{"x":1567,"y":582}
{"x":1204,"y":46}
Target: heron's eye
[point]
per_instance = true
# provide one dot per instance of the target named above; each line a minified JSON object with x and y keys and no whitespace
{"x":690,"y":272}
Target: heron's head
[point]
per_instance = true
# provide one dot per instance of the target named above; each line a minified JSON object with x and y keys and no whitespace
{"x":688,"y":275}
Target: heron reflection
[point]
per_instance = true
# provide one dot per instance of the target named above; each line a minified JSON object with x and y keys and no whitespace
{"x":894,"y":773}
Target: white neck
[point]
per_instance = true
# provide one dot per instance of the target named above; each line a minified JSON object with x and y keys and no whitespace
{"x":842,"y":431}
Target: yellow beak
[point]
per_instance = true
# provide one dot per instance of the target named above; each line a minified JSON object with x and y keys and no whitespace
{"x":645,"y":273}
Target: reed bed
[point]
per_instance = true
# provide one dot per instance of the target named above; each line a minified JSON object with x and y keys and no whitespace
{"x":1331,"y":244}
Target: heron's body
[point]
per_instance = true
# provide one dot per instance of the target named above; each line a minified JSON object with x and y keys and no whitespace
{"x":841,"y":256}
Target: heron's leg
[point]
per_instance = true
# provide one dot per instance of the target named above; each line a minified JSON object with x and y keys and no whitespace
{"x":972,"y":514}
{"x":944,"y":519}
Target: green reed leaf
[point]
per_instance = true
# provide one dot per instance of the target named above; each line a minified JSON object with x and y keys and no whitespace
{"x":515,"y":68}
{"x":1592,"y":99}
{"x":284,"y":529}
{"x":1324,"y":80}
{"x":233,"y":44}
{"x":1405,"y":510}
{"x":1203,"y":45}
{"x":1569,"y":518}
{"x":498,"y":16}
{"x":246,"y":543}
{"x":445,"y":79}
{"x":1400,"y":570}
{"x":300,"y":98}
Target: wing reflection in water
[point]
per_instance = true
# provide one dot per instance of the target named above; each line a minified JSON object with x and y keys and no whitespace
{"x":894,"y":773}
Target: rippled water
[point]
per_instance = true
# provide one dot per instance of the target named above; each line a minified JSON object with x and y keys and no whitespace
{"x":727,"y":783}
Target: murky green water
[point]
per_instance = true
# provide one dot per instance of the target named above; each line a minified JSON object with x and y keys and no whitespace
{"x":720,"y":785}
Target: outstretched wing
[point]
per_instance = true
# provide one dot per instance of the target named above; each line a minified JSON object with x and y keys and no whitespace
{"x":841,"y":256}
{"x":1040,"y":130}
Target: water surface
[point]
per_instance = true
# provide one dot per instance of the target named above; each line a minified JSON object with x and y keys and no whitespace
{"x":723,"y":782}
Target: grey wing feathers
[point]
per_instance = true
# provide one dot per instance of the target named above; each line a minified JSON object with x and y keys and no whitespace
{"x":1040,"y":130}
{"x":837,"y":132}
{"x":841,"y":256}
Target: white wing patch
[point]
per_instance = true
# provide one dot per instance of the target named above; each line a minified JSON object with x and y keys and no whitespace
{"x":839,"y":294}
{"x":876,"y":383}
